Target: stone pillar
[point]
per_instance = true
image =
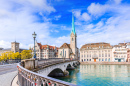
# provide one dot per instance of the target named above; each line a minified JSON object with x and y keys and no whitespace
{"x":30,"y":63}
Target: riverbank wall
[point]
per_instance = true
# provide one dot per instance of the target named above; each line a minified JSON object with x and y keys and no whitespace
{"x":107,"y":63}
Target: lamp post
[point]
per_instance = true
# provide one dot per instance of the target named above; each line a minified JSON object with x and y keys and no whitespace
{"x":34,"y":36}
{"x":63,"y":54}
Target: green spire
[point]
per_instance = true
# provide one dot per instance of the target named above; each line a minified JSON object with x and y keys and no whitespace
{"x":73,"y":28}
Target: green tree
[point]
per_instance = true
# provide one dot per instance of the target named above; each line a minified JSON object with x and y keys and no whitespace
{"x":26,"y":54}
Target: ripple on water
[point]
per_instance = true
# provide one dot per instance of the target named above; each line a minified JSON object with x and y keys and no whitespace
{"x":99,"y":75}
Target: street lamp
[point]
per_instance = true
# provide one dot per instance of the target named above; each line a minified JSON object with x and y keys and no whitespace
{"x":63,"y":54}
{"x":34,"y":36}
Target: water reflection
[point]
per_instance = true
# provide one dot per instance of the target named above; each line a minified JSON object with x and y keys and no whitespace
{"x":100,"y":75}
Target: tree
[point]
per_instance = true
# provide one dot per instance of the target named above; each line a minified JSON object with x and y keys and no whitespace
{"x":26,"y":54}
{"x":4,"y":56}
{"x":17,"y":55}
{"x":9,"y":54}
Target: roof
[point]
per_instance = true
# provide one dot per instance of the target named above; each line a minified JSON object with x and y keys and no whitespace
{"x":120,"y":45}
{"x":73,"y":27}
{"x":15,"y":42}
{"x":96,"y":45}
{"x":7,"y":49}
{"x":46,"y":46}
{"x":65,"y":45}
{"x":22,"y":49}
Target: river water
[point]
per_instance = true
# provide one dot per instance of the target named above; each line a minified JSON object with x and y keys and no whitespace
{"x":99,"y":75}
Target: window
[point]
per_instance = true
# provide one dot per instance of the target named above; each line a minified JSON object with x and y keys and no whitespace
{"x":72,"y":39}
{"x":102,"y":55}
{"x":105,"y":55}
{"x":109,"y":59}
{"x":102,"y":59}
{"x":99,"y":59}
{"x":109,"y":55}
{"x":99,"y":55}
{"x":61,"y":53}
{"x":65,"y":53}
{"x":106,"y":59}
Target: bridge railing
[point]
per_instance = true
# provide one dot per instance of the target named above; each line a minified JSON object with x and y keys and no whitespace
{"x":30,"y":78}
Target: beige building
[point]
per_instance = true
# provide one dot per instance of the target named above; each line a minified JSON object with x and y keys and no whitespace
{"x":69,"y":50}
{"x":45,"y":51}
{"x":120,"y":52}
{"x":14,"y":48}
{"x":96,"y":52}
{"x":128,"y":51}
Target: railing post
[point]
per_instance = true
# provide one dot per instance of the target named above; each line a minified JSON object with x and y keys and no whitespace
{"x":38,"y":81}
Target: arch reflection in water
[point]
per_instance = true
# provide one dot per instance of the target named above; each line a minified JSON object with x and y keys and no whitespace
{"x":99,"y":75}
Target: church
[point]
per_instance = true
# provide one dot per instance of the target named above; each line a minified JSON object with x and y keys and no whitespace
{"x":69,"y":50}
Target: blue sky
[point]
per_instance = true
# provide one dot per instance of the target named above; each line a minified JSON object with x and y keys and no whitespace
{"x":95,"y":21}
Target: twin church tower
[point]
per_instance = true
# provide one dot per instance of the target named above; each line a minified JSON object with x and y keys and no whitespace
{"x":69,"y":50}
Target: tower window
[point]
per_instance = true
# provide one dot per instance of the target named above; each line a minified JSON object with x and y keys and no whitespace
{"x":72,"y":39}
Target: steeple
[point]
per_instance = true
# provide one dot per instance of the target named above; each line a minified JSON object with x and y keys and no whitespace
{"x":73,"y":27}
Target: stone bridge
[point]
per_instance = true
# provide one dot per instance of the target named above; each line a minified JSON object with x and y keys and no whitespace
{"x":58,"y":69}
{"x":37,"y":73}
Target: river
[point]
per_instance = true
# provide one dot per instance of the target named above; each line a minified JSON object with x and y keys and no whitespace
{"x":99,"y":75}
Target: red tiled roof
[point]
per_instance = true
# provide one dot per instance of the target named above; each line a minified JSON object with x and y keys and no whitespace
{"x":96,"y":45}
{"x":45,"y":46}
{"x":65,"y":45}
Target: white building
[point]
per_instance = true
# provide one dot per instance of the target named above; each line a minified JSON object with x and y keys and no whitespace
{"x":45,"y":51}
{"x":120,"y":52}
{"x":96,"y":52}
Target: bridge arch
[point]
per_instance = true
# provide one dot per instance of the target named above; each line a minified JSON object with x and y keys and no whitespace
{"x":56,"y":72}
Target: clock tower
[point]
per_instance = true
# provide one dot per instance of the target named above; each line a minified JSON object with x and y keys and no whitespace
{"x":73,"y":38}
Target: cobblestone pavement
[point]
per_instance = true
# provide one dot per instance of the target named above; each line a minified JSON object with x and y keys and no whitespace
{"x":7,"y":73}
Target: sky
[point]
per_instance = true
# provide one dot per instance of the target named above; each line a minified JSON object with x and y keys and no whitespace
{"x":95,"y":21}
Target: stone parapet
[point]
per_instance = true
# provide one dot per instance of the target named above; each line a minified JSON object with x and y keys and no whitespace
{"x":29,"y":63}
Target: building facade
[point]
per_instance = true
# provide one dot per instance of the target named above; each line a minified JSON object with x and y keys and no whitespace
{"x":96,"y":52}
{"x":120,"y":52}
{"x":104,"y":52}
{"x":45,"y":51}
{"x":128,"y":51}
{"x":69,"y":50}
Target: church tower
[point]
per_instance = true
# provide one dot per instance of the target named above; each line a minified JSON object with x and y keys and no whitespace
{"x":73,"y":38}
{"x":15,"y":47}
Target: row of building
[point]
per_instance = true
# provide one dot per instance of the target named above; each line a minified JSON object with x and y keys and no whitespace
{"x":104,"y":52}
{"x":101,"y":52}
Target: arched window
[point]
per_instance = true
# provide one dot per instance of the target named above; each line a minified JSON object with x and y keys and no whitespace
{"x":72,"y":39}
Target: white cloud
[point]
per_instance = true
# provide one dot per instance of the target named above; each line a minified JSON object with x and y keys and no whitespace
{"x":97,"y":9}
{"x":116,"y":1}
{"x":18,"y":20}
{"x":57,"y":17}
{"x":81,"y":17}
{"x":5,"y":44}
